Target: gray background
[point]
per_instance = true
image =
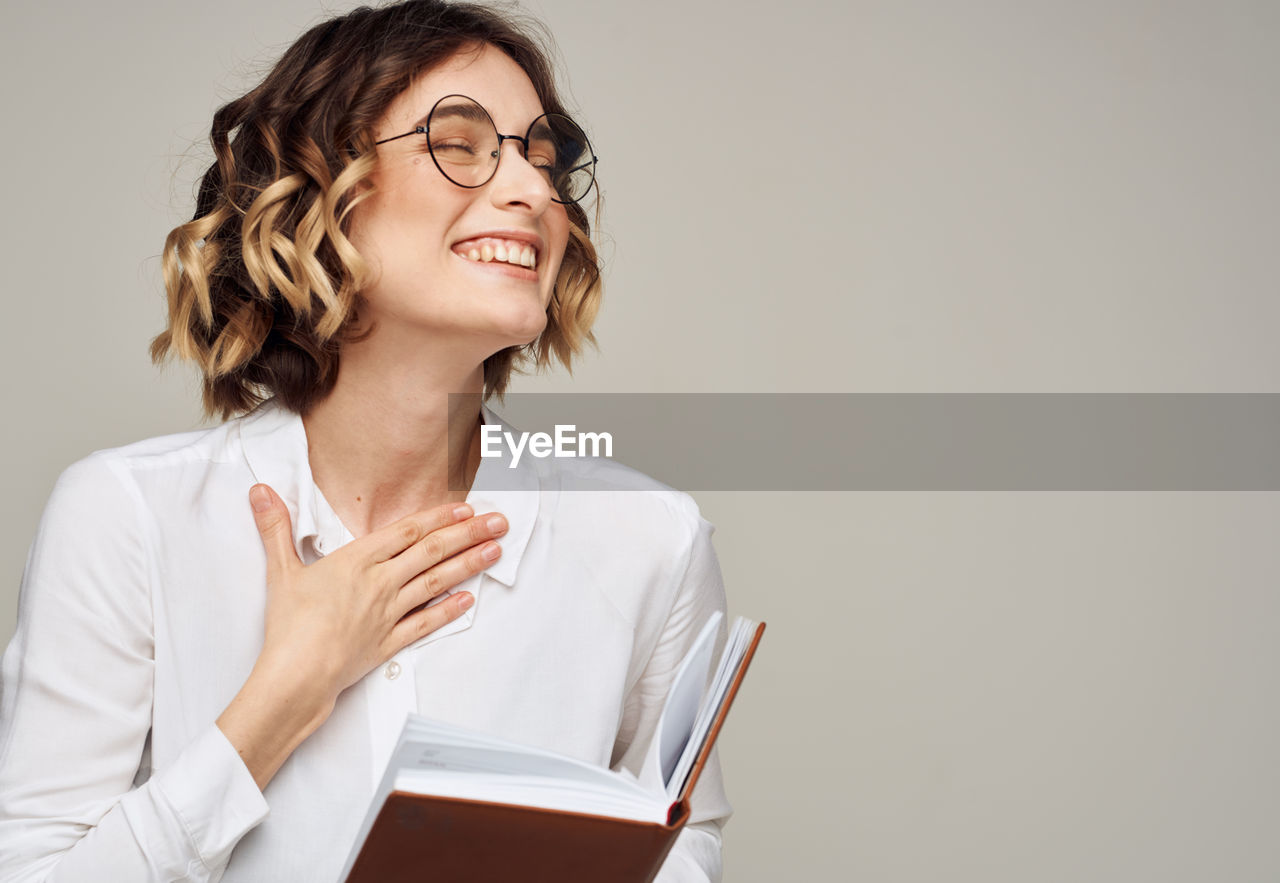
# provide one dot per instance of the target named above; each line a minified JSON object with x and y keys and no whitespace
{"x":812,"y":197}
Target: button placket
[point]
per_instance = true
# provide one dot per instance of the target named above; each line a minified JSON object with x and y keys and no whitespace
{"x":391,"y":694}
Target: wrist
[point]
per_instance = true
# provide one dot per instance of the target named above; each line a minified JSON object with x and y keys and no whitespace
{"x":274,"y":712}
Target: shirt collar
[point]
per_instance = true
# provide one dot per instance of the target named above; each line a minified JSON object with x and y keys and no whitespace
{"x":274,"y":442}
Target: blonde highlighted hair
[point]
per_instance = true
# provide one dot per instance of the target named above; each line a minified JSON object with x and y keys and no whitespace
{"x":263,"y":284}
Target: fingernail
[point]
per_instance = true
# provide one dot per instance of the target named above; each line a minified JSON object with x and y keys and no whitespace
{"x":496,"y":523}
{"x":259,"y":498}
{"x":461,"y":511}
{"x":491,"y":551}
{"x":465,"y":601}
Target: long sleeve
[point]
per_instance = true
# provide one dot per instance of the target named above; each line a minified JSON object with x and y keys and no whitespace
{"x":696,"y":855}
{"x":76,"y":709}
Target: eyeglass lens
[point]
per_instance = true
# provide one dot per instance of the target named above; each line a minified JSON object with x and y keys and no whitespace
{"x":465,"y":146}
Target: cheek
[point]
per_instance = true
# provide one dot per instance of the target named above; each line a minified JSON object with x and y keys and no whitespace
{"x":558,"y":228}
{"x":407,"y":201}
{"x":395,"y":233}
{"x":370,"y":225}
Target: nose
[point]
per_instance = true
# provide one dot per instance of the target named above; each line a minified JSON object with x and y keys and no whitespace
{"x":517,"y":184}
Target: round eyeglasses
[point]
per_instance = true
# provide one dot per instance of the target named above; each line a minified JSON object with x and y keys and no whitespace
{"x":465,"y":145}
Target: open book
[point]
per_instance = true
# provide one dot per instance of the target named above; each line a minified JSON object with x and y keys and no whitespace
{"x":458,"y":804}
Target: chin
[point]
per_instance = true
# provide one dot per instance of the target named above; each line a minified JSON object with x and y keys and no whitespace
{"x":530,"y":332}
{"x":520,"y":324}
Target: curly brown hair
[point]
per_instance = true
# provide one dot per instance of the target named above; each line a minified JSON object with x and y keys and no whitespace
{"x":263,"y":284}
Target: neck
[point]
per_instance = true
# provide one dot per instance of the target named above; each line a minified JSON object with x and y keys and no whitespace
{"x":388,"y":441}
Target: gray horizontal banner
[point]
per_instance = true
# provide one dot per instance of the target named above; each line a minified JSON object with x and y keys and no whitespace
{"x":905,"y":442}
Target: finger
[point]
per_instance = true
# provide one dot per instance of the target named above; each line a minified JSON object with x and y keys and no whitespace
{"x":425,"y":621}
{"x":389,"y":541}
{"x":274,"y":527}
{"x":443,"y":543}
{"x":445,"y":575}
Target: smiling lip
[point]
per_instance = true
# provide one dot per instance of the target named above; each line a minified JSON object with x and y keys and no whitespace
{"x":509,"y":233}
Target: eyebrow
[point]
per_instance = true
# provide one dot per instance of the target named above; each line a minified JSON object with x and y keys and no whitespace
{"x":477,"y":114}
{"x":465,"y":111}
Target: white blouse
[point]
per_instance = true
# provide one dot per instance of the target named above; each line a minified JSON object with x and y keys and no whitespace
{"x":141,"y":615}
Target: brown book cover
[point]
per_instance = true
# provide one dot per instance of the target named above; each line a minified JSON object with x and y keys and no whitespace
{"x":420,"y":837}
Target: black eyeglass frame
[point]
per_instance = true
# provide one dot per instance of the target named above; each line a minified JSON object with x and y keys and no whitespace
{"x":425,"y":130}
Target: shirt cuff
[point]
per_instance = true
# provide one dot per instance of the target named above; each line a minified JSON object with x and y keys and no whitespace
{"x":214,"y":796}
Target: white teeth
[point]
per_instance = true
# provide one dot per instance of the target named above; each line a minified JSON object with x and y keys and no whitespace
{"x":509,"y":252}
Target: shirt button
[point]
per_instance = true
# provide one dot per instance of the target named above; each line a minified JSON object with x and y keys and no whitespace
{"x":392,"y":670}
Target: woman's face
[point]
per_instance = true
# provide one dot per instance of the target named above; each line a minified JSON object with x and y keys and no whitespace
{"x":418,"y":230}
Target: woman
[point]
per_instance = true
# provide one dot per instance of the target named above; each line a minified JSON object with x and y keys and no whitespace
{"x":220,"y":632}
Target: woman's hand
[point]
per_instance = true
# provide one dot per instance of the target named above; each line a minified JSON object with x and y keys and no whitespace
{"x":346,"y":614}
{"x":330,"y":623}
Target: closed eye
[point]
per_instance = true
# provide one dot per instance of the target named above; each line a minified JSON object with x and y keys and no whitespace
{"x":452,"y":146}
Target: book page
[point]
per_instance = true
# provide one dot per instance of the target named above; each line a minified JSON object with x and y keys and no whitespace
{"x":731,"y":659}
{"x":680,"y":711}
{"x":447,"y":748}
